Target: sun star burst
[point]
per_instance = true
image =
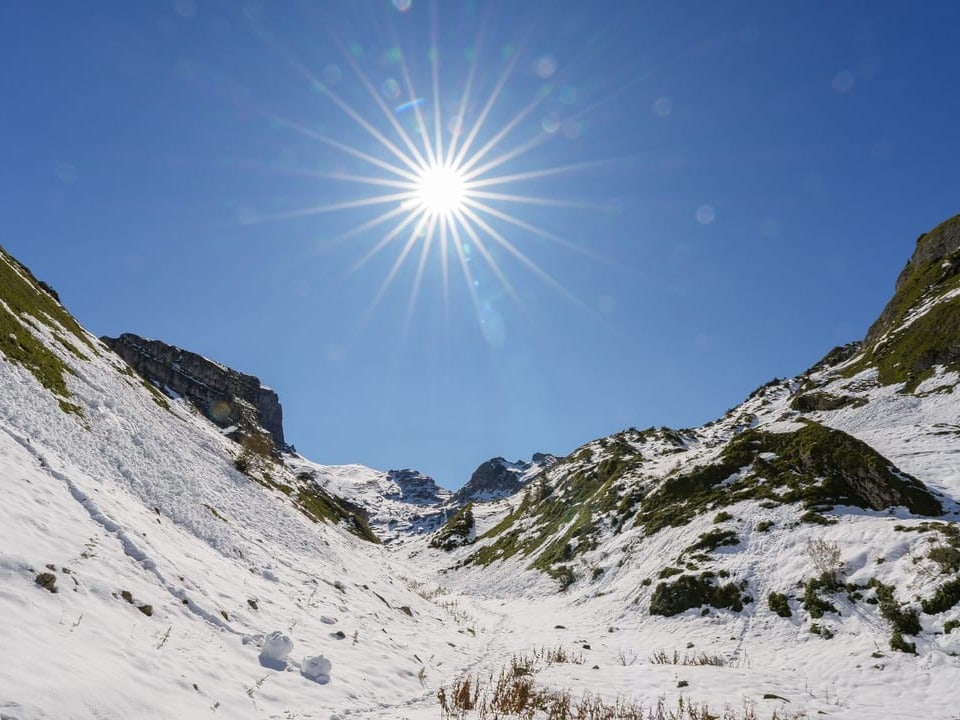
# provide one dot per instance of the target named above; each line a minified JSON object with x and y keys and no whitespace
{"x":447,"y":183}
{"x":441,"y":191}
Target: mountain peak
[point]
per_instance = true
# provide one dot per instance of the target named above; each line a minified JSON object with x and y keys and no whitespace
{"x":497,"y":478}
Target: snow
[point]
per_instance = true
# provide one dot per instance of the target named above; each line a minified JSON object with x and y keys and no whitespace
{"x":316,"y":668}
{"x":252,"y":605}
{"x":275,"y":650}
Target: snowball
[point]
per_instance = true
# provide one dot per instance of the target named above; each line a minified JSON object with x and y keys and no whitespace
{"x":316,"y":668}
{"x":275,"y":649}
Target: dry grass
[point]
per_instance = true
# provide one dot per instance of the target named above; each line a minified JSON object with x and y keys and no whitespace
{"x":512,"y":694}
{"x":661,"y":657}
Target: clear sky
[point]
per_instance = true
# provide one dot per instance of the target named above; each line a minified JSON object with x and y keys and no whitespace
{"x":653,"y":207}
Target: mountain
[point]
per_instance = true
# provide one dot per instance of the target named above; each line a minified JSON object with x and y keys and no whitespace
{"x":228,"y":398}
{"x":798,"y":557}
{"x":498,"y":478}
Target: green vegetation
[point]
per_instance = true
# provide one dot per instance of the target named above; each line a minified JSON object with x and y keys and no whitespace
{"x":950,"y":625}
{"x":256,"y":462}
{"x":944,"y":598}
{"x":456,"y":531}
{"x":691,"y":591}
{"x":563,"y":516}
{"x":813,"y":603}
{"x":815,"y":465}
{"x":712,"y":540}
{"x":897,"y":642}
{"x":947,"y":557}
{"x":320,"y":506}
{"x":905,"y":620}
{"x":25,"y":304}
{"x":813,"y":401}
{"x":778,"y":604}
{"x":764,"y":525}
{"x":909,"y":355}
{"x":823,"y":631}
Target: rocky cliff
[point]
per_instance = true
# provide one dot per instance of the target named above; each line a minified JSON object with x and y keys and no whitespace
{"x":223,"y":395}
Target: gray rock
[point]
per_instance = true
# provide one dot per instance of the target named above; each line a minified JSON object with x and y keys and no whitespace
{"x":225,"y":396}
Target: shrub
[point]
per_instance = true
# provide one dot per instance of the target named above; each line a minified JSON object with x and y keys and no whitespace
{"x":715,"y":538}
{"x":947,"y":557}
{"x":813,"y":603}
{"x":817,"y":518}
{"x":825,"y":557}
{"x":690,"y":591}
{"x":898,"y":643}
{"x":905,"y":620}
{"x":823,"y":631}
{"x":764,"y":525}
{"x":778,"y":603}
{"x":945,"y":597}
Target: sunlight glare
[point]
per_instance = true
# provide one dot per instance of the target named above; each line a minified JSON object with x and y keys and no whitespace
{"x":440,"y":191}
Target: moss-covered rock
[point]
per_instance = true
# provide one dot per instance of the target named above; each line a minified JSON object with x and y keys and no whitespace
{"x":816,"y":466}
{"x":818,"y":401}
{"x":919,"y":328}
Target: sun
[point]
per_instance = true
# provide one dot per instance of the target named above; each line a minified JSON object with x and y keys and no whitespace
{"x":447,"y":174}
{"x":441,"y":191}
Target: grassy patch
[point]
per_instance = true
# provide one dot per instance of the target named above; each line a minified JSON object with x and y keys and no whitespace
{"x":321,"y":506}
{"x":947,"y":557}
{"x":24,"y":301}
{"x":712,"y":540}
{"x":561,"y":516}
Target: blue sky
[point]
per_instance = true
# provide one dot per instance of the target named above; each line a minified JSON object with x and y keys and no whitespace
{"x":704,"y":198}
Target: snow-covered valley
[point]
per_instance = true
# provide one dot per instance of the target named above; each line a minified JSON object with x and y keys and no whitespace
{"x":145,"y":572}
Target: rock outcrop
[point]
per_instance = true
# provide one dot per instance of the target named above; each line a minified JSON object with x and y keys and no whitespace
{"x":415,"y":488}
{"x":498,"y":478}
{"x":223,"y":395}
{"x":932,"y":262}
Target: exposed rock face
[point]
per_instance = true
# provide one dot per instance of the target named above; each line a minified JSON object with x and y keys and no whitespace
{"x":413,"y":487}
{"x":223,"y":395}
{"x":936,"y":246}
{"x":498,"y":478}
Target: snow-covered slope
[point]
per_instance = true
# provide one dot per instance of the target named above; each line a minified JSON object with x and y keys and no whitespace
{"x":397,"y":503}
{"x":799,"y":556}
